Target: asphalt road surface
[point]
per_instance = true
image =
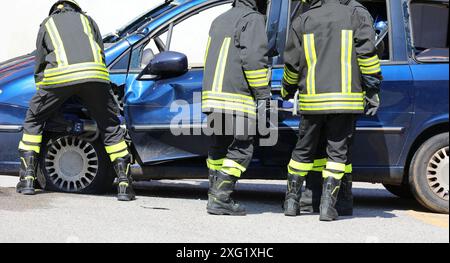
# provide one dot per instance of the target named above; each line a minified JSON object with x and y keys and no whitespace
{"x":174,"y":211}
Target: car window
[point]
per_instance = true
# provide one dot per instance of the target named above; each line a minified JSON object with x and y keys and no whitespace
{"x":378,"y":10}
{"x":429,"y":22}
{"x":190,"y":37}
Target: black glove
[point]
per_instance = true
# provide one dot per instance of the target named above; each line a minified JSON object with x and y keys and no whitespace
{"x":372,"y":103}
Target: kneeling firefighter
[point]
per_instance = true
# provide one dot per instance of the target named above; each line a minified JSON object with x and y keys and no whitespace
{"x":70,"y":61}
{"x":332,"y":57}
{"x":236,"y":77}
{"x":310,"y":200}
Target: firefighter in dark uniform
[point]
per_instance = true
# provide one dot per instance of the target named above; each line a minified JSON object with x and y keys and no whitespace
{"x":310,"y":200}
{"x":70,"y":61}
{"x":331,"y":56}
{"x":236,"y":77}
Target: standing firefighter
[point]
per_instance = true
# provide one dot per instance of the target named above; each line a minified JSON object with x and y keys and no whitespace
{"x":310,"y":200}
{"x":70,"y":61}
{"x":331,"y":55}
{"x":236,"y":76}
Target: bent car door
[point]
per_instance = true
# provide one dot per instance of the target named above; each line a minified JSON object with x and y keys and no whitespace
{"x":153,"y":104}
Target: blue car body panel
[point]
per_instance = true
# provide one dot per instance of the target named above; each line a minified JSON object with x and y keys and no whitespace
{"x":414,"y":98}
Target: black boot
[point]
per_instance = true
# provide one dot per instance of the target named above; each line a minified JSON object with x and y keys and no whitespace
{"x":293,"y":195}
{"x":212,"y":174}
{"x":344,"y":204}
{"x":310,"y":201}
{"x":330,"y":193}
{"x":219,"y":201}
{"x":28,"y":165}
{"x":125,"y":190}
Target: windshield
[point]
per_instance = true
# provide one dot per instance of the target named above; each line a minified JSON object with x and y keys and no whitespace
{"x":139,"y":21}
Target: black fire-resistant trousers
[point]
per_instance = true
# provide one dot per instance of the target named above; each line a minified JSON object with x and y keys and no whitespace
{"x":231,"y":149}
{"x":98,"y":100}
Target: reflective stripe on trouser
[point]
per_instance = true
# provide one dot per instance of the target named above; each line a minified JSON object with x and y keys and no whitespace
{"x":317,"y":132}
{"x":95,"y":96}
{"x":230,"y":154}
{"x":300,"y":169}
{"x":214,"y":165}
{"x":116,"y":151}
{"x":334,"y":169}
{"x":30,"y":143}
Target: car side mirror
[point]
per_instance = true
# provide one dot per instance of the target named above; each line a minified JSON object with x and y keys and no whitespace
{"x":167,"y":64}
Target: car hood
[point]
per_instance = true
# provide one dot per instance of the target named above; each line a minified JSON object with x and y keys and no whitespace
{"x":16,"y":68}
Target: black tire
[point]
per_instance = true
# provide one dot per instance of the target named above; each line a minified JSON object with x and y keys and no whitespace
{"x":402,"y":191}
{"x":429,"y":174}
{"x":71,"y":164}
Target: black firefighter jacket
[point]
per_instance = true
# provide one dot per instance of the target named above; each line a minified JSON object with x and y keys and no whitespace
{"x":331,"y":56}
{"x":236,"y":68}
{"x":69,"y":51}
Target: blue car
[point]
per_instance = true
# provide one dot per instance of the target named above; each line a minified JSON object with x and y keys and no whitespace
{"x":405,"y":147}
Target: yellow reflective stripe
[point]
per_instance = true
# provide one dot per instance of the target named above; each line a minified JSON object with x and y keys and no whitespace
{"x":332,"y":106}
{"x":98,"y":68}
{"x":228,"y":106}
{"x":232,"y":171}
{"x":368,"y":61}
{"x":228,"y":94}
{"x":215,"y":97}
{"x":215,"y":165}
{"x":74,"y":67}
{"x":87,"y":74}
{"x":333,"y":97}
{"x":25,"y":147}
{"x":290,"y":77}
{"x":255,"y":83}
{"x":32,"y":138}
{"x":96,"y":51}
{"x":70,"y":80}
{"x":373,"y":71}
{"x":207,"y":48}
{"x":221,"y":65}
{"x":349,"y":169}
{"x":318,"y":169}
{"x":124,"y":184}
{"x":115,"y":156}
{"x":320,"y":162}
{"x":216,"y":162}
{"x":250,"y":73}
{"x":299,"y":173}
{"x":311,"y":59}
{"x":376,"y":66}
{"x":336,"y":166}
{"x":327,"y":174}
{"x":301,"y":166}
{"x":227,"y":163}
{"x":116,"y":147}
{"x":58,"y":45}
{"x":346,"y":60}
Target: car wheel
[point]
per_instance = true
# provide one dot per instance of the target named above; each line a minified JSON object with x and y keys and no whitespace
{"x":430,"y":174}
{"x":403,"y":191}
{"x":73,"y":165}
